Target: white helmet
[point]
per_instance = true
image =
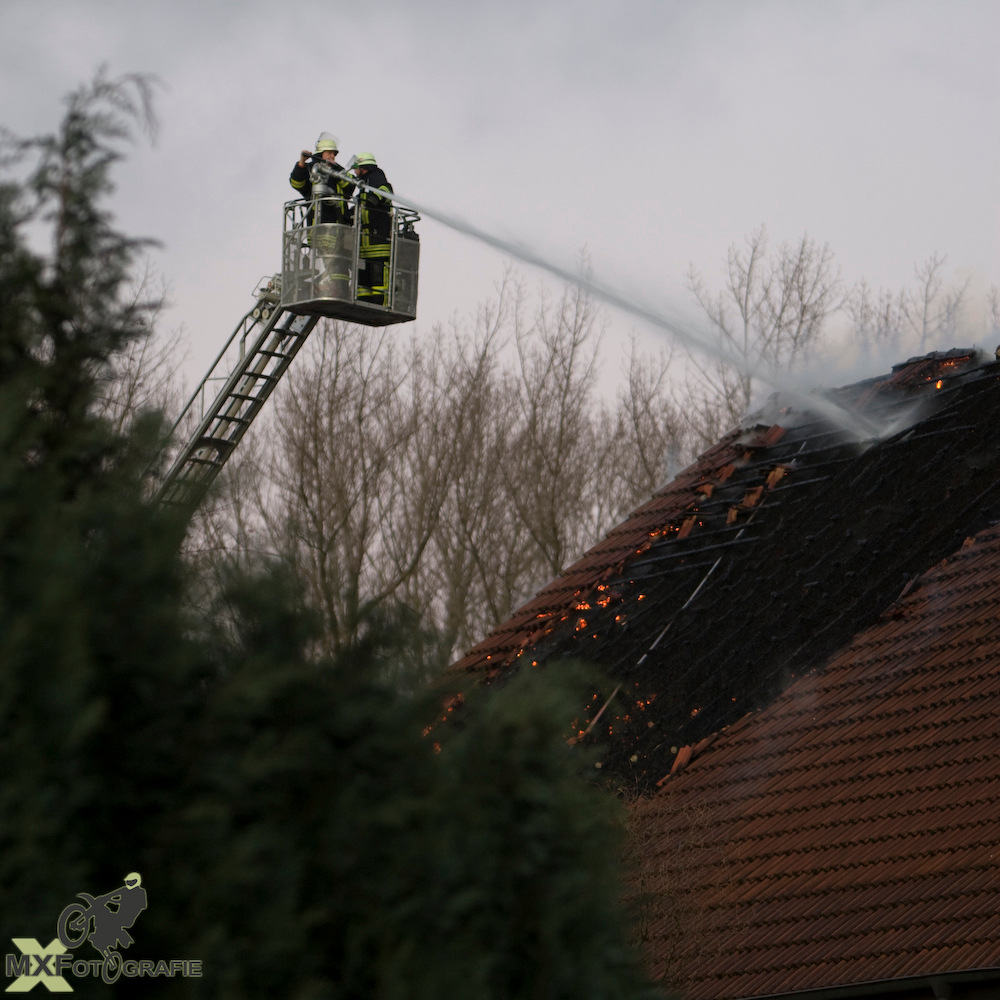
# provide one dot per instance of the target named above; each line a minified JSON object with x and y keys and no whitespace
{"x":327,"y":141}
{"x":364,"y":160}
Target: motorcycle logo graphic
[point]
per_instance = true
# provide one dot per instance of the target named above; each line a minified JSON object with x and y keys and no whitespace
{"x":104,"y":921}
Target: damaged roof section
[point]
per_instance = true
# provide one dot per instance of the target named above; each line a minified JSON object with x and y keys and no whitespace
{"x":766,"y":556}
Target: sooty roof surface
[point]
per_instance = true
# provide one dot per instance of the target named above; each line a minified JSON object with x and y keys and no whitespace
{"x":764,"y":558}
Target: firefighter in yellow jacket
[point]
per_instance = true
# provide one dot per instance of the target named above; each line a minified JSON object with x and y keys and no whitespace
{"x":375,"y":230}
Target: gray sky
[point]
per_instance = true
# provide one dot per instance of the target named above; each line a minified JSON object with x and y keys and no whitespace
{"x":653,"y":134}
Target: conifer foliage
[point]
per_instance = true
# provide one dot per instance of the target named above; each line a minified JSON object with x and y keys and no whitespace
{"x":302,"y":828}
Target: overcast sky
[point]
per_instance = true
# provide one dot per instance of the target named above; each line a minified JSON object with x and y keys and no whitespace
{"x":653,"y":133}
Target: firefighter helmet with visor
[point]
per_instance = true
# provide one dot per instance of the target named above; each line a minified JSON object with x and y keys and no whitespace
{"x":327,"y":141}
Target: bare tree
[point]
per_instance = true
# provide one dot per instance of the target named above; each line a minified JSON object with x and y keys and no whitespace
{"x":356,"y":472}
{"x":875,"y":316}
{"x":931,"y":310}
{"x":478,"y":553}
{"x":563,"y":434}
{"x":143,"y":375}
{"x":653,"y":437}
{"x":919,"y":318}
{"x":769,"y":315}
{"x":228,"y":526}
{"x":449,"y":476}
{"x":547,"y":463}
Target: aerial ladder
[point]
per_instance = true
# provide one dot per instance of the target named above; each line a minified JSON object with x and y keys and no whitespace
{"x":319,"y":277}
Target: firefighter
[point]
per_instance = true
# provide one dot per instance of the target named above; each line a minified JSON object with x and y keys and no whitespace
{"x":376,"y":229}
{"x":317,"y":174}
{"x":337,"y":180}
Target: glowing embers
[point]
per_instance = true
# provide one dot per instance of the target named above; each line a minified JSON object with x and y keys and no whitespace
{"x":931,"y":367}
{"x":602,"y":598}
{"x":625,"y":731}
{"x":594,"y":700}
{"x":450,"y":704}
{"x":572,"y":604}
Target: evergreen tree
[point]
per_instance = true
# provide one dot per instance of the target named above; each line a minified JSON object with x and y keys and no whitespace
{"x":91,"y":638}
{"x":298,"y":829}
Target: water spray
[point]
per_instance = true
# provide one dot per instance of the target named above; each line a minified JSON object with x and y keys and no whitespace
{"x":679,"y":329}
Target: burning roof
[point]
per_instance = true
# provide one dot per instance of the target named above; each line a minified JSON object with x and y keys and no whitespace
{"x":767,"y":555}
{"x":805,"y":628}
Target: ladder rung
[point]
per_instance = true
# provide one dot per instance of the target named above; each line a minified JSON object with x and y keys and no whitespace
{"x":231,"y":419}
{"x":263,"y":375}
{"x":218,"y":444}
